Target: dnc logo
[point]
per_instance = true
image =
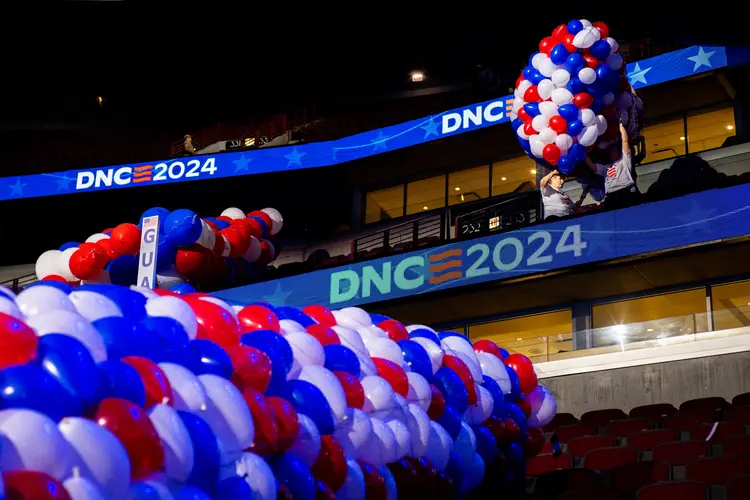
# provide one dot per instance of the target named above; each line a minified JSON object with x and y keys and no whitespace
{"x":108,"y":177}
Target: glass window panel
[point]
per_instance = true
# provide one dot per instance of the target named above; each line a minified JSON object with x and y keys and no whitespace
{"x":424,"y":195}
{"x":709,"y":130}
{"x":511,"y":175}
{"x":469,"y":185}
{"x":384,"y":204}
{"x":536,"y":336}
{"x":664,"y":140}
{"x":731,"y":305}
{"x":669,"y":305}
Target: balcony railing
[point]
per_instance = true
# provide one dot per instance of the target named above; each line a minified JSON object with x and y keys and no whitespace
{"x":421,"y":232}
{"x":250,"y":133}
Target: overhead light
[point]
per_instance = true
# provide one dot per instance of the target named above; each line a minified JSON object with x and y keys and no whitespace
{"x":649,"y":329}
{"x":99,"y":100}
{"x":682,"y":138}
{"x":519,"y":340}
{"x":417,"y":76}
{"x":425,"y":208}
{"x":503,"y":179}
{"x":730,"y":127}
{"x":457,"y":188}
{"x":533,"y":171}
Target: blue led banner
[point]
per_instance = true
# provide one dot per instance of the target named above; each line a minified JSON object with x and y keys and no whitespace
{"x":671,"y":66}
{"x":697,"y":218}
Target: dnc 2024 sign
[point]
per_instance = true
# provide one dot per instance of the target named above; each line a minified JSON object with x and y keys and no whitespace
{"x":689,"y":220}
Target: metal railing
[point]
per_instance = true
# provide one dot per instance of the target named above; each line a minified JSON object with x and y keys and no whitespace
{"x":17,"y":284}
{"x":249,"y":132}
{"x":509,"y":212}
{"x":421,"y":232}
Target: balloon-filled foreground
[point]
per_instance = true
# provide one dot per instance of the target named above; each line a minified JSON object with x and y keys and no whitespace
{"x":109,"y":392}
{"x":573,"y":95}
{"x":212,"y":253}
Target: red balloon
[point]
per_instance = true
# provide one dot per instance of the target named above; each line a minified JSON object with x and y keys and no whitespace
{"x":426,"y":475}
{"x":591,"y":61}
{"x":158,"y":389}
{"x":603,"y":29}
{"x":559,"y":33}
{"x":257,"y":318}
{"x":533,"y":443}
{"x":323,"y":491}
{"x":444,"y":487}
{"x":32,"y":485}
{"x":528,"y":129}
{"x":165,"y":293}
{"x":54,"y":277}
{"x":407,"y":481}
{"x":609,"y":111}
{"x":525,"y":371}
{"x":524,"y":405}
{"x":225,"y":218}
{"x":330,"y":466}
{"x":568,"y":42}
{"x":519,"y":80}
{"x":393,"y":374}
{"x":126,"y":239}
{"x":191,"y":261}
{"x":396,"y":331}
{"x":374,"y":482}
{"x":457,"y":365}
{"x":282,"y":492}
{"x":251,"y":367}
{"x":264,"y":420}
{"x":497,"y":427}
{"x":437,"y":403}
{"x":86,"y":263}
{"x":512,"y":430}
{"x":239,"y":242}
{"x":558,"y":124}
{"x":264,"y":217}
{"x":355,"y":394}
{"x":215,"y":323}
{"x":532,"y":94}
{"x":18,"y":342}
{"x":551,"y":153}
{"x":286,"y":421}
{"x":267,"y":252}
{"x":488,"y":346}
{"x":256,"y":229}
{"x":320,"y":314}
{"x":219,"y":242}
{"x":546,"y":45}
{"x":105,"y":246}
{"x":132,"y":427}
{"x":324,"y":334}
{"x":583,"y":100}
{"x":523,"y":115}
{"x":612,"y":132}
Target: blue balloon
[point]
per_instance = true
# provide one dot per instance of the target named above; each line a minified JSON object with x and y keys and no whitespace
{"x":565,"y":165}
{"x":451,"y":421}
{"x":515,"y":458}
{"x":70,"y":244}
{"x":28,"y":386}
{"x":124,"y":337}
{"x":519,"y":417}
{"x":600,"y":49}
{"x":559,"y":54}
{"x":120,"y":380}
{"x":131,"y":303}
{"x":525,"y":144}
{"x":182,"y":288}
{"x":527,"y":71}
{"x":205,"y":451}
{"x":574,"y":26}
{"x":222,"y":224}
{"x":279,"y":352}
{"x":575,"y":86}
{"x":309,"y":400}
{"x":378,"y":318}
{"x":165,"y":255}
{"x":596,"y":106}
{"x":294,"y":474}
{"x":191,"y":493}
{"x":416,"y":357}
{"x":233,"y":488}
{"x":515,"y":124}
{"x":63,"y":287}
{"x":211,"y":358}
{"x":531,"y":59}
{"x":143,"y":491}
{"x":424,"y":333}
{"x":446,"y":334}
{"x":340,"y":358}
{"x":457,"y":471}
{"x":69,"y":362}
{"x":262,"y":223}
{"x":169,"y":341}
{"x":294,"y":314}
{"x":160,"y":212}
{"x":536,"y":77}
{"x":595,"y":90}
{"x":123,"y":270}
{"x":574,"y":63}
{"x":453,"y":389}
{"x":569,"y":112}
{"x":576,"y":151}
{"x":495,"y":391}
{"x":575,"y":127}
{"x":183,"y":227}
{"x":486,"y":443}
{"x":532,"y":109}
{"x":503,"y":353}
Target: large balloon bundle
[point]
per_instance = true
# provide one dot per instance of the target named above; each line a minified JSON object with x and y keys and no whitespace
{"x":213,"y":252}
{"x":573,"y":95}
{"x":112,"y":392}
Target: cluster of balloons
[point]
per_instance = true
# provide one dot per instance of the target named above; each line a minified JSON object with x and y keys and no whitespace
{"x":115,"y":392}
{"x":214,"y":253}
{"x":573,"y":95}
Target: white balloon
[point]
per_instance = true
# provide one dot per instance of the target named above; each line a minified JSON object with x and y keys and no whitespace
{"x":371,"y":332}
{"x":253,"y":250}
{"x":175,"y":441}
{"x":94,"y":306}
{"x":614,"y":61}
{"x":419,"y":390}
{"x":366,"y":366}
{"x":585,"y":38}
{"x":539,"y":122}
{"x":351,"y":339}
{"x":548,"y":108}
{"x":563,"y":142}
{"x":41,"y":299}
{"x":288,"y":326}
{"x":63,"y":264}
{"x":379,"y":395}
{"x":47,"y":263}
{"x":233,"y":213}
{"x":608,"y":98}
{"x":547,"y":136}
{"x":10,"y":308}
{"x":175,"y":308}
{"x":546,"y":87}
{"x":358,"y":314}
{"x":4,"y":290}
{"x":73,"y":324}
{"x":354,"y":433}
{"x":146,"y":292}
{"x":601,"y":124}
{"x":543,"y":406}
{"x":537,"y":60}
{"x":411,"y":328}
{"x":227,"y":414}
{"x":560,"y":78}
{"x":329,"y":385}
{"x":562,"y":96}
{"x":354,"y":486}
{"x":537,"y":145}
{"x":587,"y":76}
{"x":586,"y":23}
{"x":496,"y":370}
{"x":419,"y":426}
{"x":96,"y":237}
{"x":522,"y":88}
{"x":277,"y":221}
{"x":521,"y":133}
{"x":587,"y":116}
{"x":307,"y":350}
{"x":546,"y":68}
{"x":103,"y":455}
{"x":258,"y":475}
{"x":80,"y":488}
{"x":383,"y":447}
{"x":614,"y":46}
{"x":433,"y":351}
{"x":588,"y":136}
{"x":386,"y":349}
{"x":346,"y":321}
{"x":32,"y":441}
{"x":187,"y":391}
{"x":306,"y":445}
{"x":439,"y":446}
{"x":482,"y":410}
{"x":465,"y":444}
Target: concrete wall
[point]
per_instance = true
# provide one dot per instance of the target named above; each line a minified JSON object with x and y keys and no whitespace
{"x":669,"y":382}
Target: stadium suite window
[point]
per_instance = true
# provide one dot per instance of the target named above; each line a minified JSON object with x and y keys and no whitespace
{"x":731,"y":305}
{"x":511,"y":175}
{"x":664,"y":140}
{"x":537,"y":336}
{"x":427,"y":194}
{"x":469,"y":185}
{"x":709,"y":129}
{"x":384,"y":204}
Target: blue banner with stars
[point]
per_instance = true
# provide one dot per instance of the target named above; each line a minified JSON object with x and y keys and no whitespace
{"x":671,"y":66}
{"x":651,"y":227}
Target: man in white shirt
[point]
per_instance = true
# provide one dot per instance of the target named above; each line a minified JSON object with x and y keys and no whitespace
{"x":556,"y":203}
{"x":619,"y":176}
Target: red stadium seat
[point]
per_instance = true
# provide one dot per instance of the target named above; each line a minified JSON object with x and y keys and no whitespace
{"x":738,"y":414}
{"x":626,"y":427}
{"x":738,"y":488}
{"x":647,"y":440}
{"x":551,"y":484}
{"x":717,"y":470}
{"x":600,"y":418}
{"x":707,"y":408}
{"x":542,"y":464}
{"x":561,"y":419}
{"x":608,"y":458}
{"x":628,"y":478}
{"x":568,"y":432}
{"x":578,"y":447}
{"x":680,"y":452}
{"x":546,"y":448}
{"x":741,"y":399}
{"x":682,"y":422}
{"x":655,"y":412}
{"x":738,"y":445}
{"x":682,"y":490}
{"x":589,"y":495}
{"x":724,"y":430}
